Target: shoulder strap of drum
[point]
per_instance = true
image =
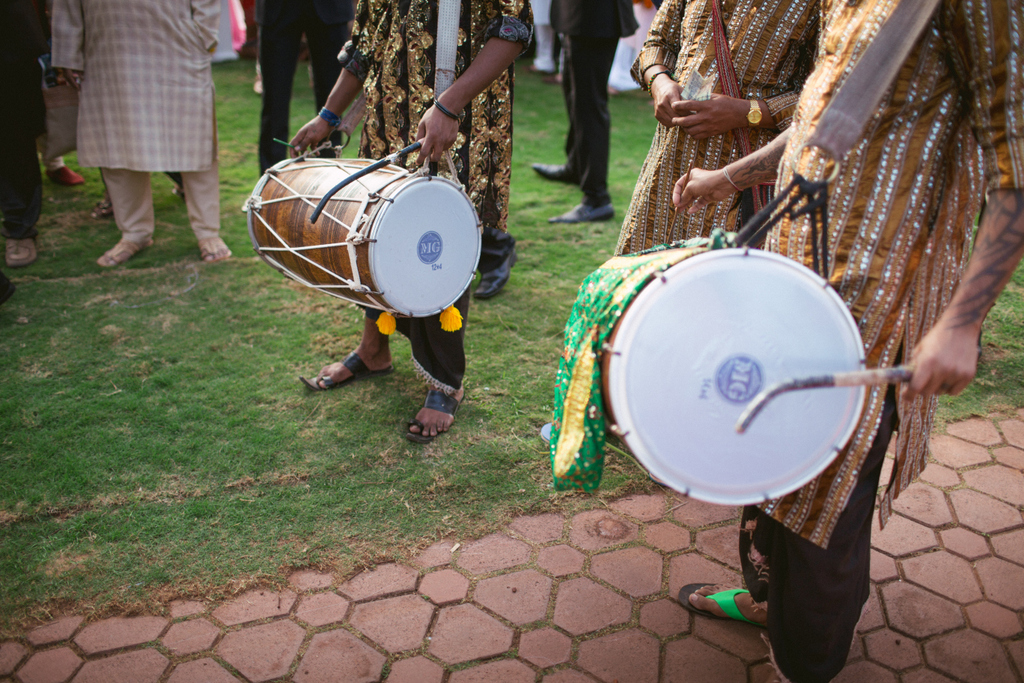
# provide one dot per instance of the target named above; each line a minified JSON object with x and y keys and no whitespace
{"x":448,"y":15}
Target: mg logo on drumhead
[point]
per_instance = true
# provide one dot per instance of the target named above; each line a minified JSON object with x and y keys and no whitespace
{"x":739,"y":379}
{"x":430,"y":247}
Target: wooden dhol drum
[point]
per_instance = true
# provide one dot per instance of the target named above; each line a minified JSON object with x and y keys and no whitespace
{"x":396,"y":240}
{"x":699,"y":343}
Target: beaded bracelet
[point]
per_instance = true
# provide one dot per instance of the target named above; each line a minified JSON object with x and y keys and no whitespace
{"x":447,"y":112}
{"x":330,"y":117}
{"x":651,"y":81}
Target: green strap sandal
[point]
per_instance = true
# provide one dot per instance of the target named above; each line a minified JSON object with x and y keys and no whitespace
{"x":725,"y":599}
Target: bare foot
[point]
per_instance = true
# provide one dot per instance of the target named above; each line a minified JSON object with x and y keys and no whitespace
{"x":373,"y":349}
{"x":754,"y":611}
{"x":434,"y":421}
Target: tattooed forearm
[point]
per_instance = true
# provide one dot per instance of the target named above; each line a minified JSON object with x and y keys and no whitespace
{"x":761,"y":166}
{"x":997,"y":252}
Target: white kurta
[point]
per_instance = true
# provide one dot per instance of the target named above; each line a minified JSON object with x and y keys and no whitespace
{"x":147,"y":100}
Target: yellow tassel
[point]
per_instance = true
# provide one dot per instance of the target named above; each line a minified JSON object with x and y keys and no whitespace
{"x":386,"y":323}
{"x":451,"y":319}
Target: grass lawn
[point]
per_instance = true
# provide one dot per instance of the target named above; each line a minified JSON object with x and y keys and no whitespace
{"x":155,"y":441}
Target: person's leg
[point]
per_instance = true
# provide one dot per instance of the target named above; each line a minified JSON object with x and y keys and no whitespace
{"x":132,"y":199}
{"x":374,"y":351}
{"x":589,"y":60}
{"x":202,"y":197}
{"x":497,"y":256}
{"x":325,"y":42}
{"x":572,"y":161}
{"x":21,"y":187}
{"x":278,"y":55}
{"x":545,"y":59}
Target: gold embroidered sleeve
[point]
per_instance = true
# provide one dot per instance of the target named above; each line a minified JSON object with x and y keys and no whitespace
{"x":663,"y":40}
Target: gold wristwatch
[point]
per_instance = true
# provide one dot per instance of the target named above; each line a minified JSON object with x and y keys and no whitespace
{"x":754,"y":115}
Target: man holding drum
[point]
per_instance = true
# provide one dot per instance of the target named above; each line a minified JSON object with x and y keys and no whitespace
{"x":949,"y":135}
{"x":391,"y":58}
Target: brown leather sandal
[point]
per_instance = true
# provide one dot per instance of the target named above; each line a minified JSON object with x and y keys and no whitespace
{"x":213,"y":249}
{"x":121,"y":252}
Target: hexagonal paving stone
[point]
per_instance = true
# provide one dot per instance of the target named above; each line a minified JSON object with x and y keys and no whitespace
{"x":926,"y":676}
{"x":310,"y":580}
{"x":539,"y":528}
{"x":1016,"y":649}
{"x":692,"y":568}
{"x":339,"y":657}
{"x":119,"y":632}
{"x":415,"y":670}
{"x":667,"y":537}
{"x":262,"y":653}
{"x":694,"y":661}
{"x":643,"y":508}
{"x":883,"y":567}
{"x":924,"y":504}
{"x":1010,"y":456}
{"x":396,"y":624}
{"x":321,"y":609}
{"x":1004,"y":483}
{"x":492,"y":553}
{"x":946,"y":574}
{"x":568,"y":676}
{"x":444,"y":587}
{"x":742,"y":640}
{"x":387,"y":579}
{"x":436,"y":555}
{"x":521,"y":597}
{"x":940,"y":475}
{"x":50,"y":666}
{"x":863,"y":672}
{"x":636,"y":571}
{"x":871,"y":615}
{"x":464,"y":632}
{"x":54,"y":632}
{"x":902,"y":537}
{"x":969,"y":656}
{"x":982,"y":513}
{"x":629,"y":655}
{"x":583,"y":606}
{"x":506,"y":671}
{"x":598,"y":529}
{"x":1013,"y":430}
{"x":916,"y":612}
{"x":201,"y":671}
{"x":957,"y":453}
{"x":977,"y":430}
{"x":189,"y":637}
{"x":544,"y":647}
{"x":721,"y":544}
{"x":186,"y":608}
{"x":993,"y":619}
{"x":892,"y":649}
{"x":1002,"y":581}
{"x":1010,"y":546}
{"x":140,"y":666}
{"x":11,"y":654}
{"x":560,"y":560}
{"x":665,"y":617}
{"x":695,"y":514}
{"x":964,"y":543}
{"x":255,"y":605}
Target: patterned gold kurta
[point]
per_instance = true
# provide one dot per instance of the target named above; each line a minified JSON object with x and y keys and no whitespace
{"x":392,"y":50}
{"x":772,"y":44}
{"x":901,"y":212}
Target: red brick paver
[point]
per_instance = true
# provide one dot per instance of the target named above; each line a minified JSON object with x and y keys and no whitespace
{"x":591,"y":598}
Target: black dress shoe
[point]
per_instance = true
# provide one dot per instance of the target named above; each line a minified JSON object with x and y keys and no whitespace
{"x":493,"y":281}
{"x":559,"y":172}
{"x":583,"y":213}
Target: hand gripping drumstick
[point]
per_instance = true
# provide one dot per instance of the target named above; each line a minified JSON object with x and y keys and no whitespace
{"x":390,"y":159}
{"x":900,"y":373}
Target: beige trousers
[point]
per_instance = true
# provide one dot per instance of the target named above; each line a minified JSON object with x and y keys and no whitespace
{"x":132,"y":197}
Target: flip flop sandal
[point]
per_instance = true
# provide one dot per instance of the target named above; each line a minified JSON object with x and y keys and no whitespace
{"x":725,"y":599}
{"x":436,"y":400}
{"x":355,"y":365}
{"x":121,"y":252}
{"x":213,"y":249}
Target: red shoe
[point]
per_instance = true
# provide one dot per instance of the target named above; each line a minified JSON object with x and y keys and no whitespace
{"x":65,"y":176}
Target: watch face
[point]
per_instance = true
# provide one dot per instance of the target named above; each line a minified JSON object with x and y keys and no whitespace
{"x":754,"y":115}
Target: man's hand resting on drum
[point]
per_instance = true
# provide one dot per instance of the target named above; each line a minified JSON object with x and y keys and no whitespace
{"x":946,"y":359}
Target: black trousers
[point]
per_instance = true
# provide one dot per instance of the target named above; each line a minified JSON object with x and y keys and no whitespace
{"x":495,"y":247}
{"x":815,"y":595}
{"x":278,"y":54}
{"x":21,"y":184}
{"x":588,"y":61}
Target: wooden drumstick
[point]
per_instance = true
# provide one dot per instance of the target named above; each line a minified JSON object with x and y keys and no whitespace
{"x":894,"y":375}
{"x":389,"y":159}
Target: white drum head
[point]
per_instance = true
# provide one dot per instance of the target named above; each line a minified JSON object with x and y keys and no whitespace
{"x":693,"y":349}
{"x":427,"y":248}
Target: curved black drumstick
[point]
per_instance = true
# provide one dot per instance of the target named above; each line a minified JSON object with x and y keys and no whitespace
{"x":900,"y":373}
{"x":390,"y":159}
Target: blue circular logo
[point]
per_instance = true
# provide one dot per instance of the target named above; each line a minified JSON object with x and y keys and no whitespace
{"x":429,"y":247}
{"x":739,"y":379}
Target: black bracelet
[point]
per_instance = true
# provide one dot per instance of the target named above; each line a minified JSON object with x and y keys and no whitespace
{"x":651,"y":81}
{"x":447,"y":112}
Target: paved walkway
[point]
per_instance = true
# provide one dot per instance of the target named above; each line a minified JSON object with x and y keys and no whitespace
{"x":591,"y":598}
